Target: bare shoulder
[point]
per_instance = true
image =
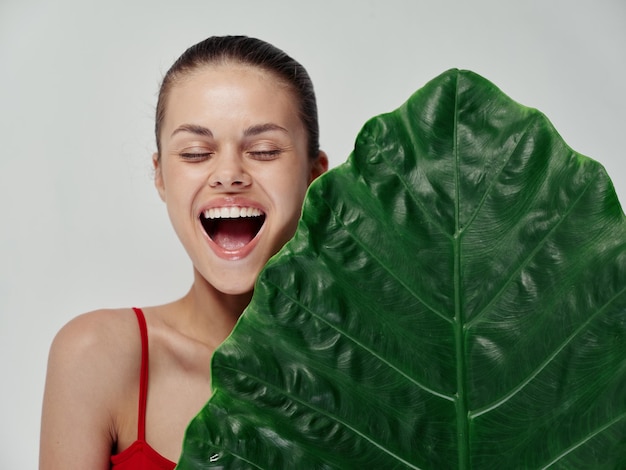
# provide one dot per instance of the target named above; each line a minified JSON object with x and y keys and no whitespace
{"x":98,"y":325}
{"x":92,"y":366}
{"x":97,"y":338}
{"x":97,"y":354}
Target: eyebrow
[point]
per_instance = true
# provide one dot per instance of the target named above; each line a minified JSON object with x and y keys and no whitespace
{"x":194,"y":129}
{"x":249,"y":132}
{"x":261,"y":128}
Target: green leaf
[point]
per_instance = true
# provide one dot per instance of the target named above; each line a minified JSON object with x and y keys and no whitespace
{"x":454,"y":297}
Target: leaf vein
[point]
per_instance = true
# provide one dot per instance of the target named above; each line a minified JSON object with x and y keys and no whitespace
{"x":321,"y":411}
{"x":365,"y":348}
{"x":549,"y":359}
{"x":383,"y":265}
{"x":575,"y":446}
{"x":529,"y":258}
{"x":408,"y":187}
{"x":499,"y":172}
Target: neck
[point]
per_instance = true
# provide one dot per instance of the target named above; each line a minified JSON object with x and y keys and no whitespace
{"x":211,"y":314}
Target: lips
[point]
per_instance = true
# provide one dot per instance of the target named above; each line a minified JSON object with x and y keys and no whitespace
{"x":232,"y":228}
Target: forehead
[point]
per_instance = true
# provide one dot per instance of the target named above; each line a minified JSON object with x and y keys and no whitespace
{"x":211,"y":76}
{"x":230,"y":89}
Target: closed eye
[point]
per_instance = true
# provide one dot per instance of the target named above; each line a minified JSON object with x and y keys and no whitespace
{"x":195,"y":156}
{"x":265,"y":154}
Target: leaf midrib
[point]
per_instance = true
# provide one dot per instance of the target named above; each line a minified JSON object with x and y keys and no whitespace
{"x":459,"y":320}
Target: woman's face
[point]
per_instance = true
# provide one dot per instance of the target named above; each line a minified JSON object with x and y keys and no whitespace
{"x":233,"y":170}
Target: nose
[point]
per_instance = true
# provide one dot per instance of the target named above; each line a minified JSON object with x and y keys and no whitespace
{"x":229,"y":173}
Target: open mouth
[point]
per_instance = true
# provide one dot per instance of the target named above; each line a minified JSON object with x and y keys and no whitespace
{"x":232,"y":228}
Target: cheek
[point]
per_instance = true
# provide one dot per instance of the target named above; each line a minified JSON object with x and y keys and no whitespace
{"x":294,"y":199}
{"x":180,"y":189}
{"x":294,"y":186}
{"x":180,"y":181}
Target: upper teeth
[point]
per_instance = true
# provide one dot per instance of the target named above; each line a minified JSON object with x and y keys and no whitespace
{"x":231,"y":212}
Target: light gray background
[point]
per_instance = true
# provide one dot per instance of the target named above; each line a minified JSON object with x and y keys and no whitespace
{"x":82,"y":226}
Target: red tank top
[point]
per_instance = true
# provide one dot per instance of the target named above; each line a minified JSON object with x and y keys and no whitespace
{"x":140,"y":456}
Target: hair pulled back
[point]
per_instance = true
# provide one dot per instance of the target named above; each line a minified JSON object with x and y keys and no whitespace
{"x":247,"y":51}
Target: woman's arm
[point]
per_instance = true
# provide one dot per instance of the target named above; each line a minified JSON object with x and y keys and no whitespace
{"x":82,"y":382}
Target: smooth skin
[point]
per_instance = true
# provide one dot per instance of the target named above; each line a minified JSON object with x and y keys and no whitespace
{"x":231,"y":137}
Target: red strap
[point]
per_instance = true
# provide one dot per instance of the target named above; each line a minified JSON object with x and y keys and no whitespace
{"x":143,"y":376}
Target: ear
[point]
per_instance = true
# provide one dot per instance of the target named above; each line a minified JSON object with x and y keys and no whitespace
{"x":158,"y":176}
{"x":318,"y":166}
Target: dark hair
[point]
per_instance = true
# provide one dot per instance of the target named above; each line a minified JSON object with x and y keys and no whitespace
{"x":248,"y":51}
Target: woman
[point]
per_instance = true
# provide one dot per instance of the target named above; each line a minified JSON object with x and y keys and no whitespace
{"x":237,"y":139}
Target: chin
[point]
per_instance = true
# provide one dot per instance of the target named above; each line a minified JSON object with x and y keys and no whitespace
{"x":238,"y":290}
{"x":234,"y":284}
